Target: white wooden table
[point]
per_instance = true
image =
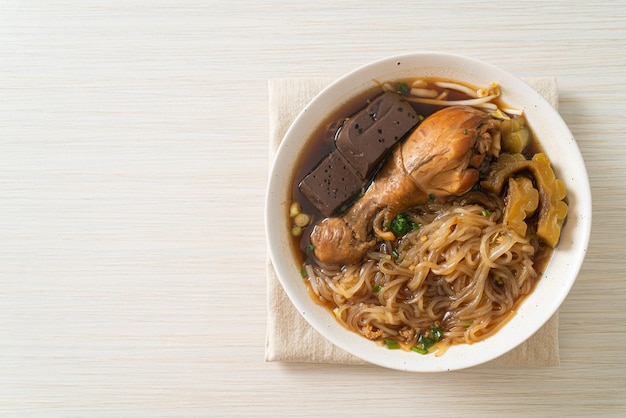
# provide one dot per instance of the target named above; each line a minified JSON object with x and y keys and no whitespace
{"x":133,"y":166}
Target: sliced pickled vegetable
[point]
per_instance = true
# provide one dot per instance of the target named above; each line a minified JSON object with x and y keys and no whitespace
{"x":515,"y":135}
{"x":501,"y":170}
{"x":552,"y":208}
{"x":522,"y":200}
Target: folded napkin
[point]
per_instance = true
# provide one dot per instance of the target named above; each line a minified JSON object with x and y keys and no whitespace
{"x":284,"y":324}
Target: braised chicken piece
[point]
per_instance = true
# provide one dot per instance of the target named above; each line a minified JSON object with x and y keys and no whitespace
{"x":441,"y":157}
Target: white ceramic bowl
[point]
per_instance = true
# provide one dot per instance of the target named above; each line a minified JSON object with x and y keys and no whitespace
{"x":557,"y":142}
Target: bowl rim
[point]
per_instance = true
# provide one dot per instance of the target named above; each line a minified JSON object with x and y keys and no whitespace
{"x":350,"y":84}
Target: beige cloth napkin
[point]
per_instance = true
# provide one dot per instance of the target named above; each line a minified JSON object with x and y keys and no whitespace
{"x":286,"y":98}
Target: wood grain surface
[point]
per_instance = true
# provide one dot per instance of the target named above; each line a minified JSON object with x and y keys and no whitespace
{"x":133,"y":166}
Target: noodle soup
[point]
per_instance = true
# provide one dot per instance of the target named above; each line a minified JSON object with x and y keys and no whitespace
{"x":424,"y":256}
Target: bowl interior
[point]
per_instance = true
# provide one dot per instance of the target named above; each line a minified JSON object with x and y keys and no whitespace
{"x":557,"y":142}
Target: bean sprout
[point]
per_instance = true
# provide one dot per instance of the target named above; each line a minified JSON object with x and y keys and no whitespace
{"x":459,"y":87}
{"x":468,"y":102}
{"x":427,"y":93}
{"x":419,"y":92}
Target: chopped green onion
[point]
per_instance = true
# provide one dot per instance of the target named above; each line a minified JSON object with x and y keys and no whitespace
{"x":400,"y":225}
{"x":419,"y":350}
{"x":395,"y":253}
{"x":392,"y":344}
{"x":303,"y":273}
{"x":404,"y":89}
{"x":311,"y":247}
{"x":435,"y":333}
{"x":376,"y":288}
{"x":464,"y":131}
{"x":431,"y":197}
{"x":485,"y":212}
{"x":425,"y":342}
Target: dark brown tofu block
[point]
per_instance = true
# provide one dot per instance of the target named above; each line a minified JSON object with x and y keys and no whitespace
{"x":365,"y":138}
{"x":332,"y":183}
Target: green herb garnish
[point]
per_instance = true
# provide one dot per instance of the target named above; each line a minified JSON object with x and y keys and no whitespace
{"x":376,"y":288}
{"x":435,"y":333}
{"x":404,"y":89}
{"x":424,"y":342}
{"x":392,"y":344}
{"x":431,"y":197}
{"x":485,"y":212}
{"x":401,"y":224}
